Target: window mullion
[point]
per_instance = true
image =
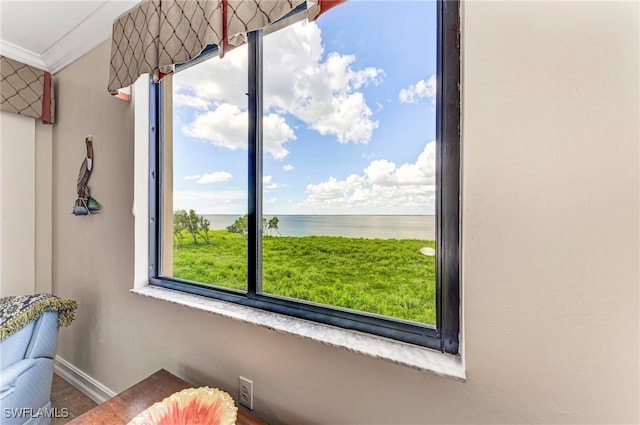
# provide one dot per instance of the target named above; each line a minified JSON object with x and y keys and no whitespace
{"x":255,"y":164}
{"x":448,"y":238}
{"x":155,"y":182}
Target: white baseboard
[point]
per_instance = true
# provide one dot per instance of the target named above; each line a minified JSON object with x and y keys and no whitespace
{"x":93,"y":389}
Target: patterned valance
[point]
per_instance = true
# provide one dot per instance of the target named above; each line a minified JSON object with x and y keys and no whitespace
{"x":157,"y":34}
{"x":26,"y":90}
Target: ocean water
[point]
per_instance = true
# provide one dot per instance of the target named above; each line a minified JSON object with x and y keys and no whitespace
{"x":353,"y":226}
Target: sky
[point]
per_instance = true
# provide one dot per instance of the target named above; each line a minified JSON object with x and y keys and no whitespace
{"x":349,"y":117}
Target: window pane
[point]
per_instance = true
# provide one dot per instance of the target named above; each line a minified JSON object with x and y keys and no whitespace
{"x":349,"y":160}
{"x":206,"y":190}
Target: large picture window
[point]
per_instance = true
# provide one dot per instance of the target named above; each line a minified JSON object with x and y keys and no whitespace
{"x":314,"y":172}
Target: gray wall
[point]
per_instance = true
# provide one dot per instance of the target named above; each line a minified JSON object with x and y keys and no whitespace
{"x":550,"y":244}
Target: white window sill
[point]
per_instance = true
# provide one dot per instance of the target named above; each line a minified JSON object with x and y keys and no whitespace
{"x":401,"y":353}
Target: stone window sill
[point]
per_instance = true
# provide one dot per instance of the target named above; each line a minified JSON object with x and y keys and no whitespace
{"x":416,"y":357}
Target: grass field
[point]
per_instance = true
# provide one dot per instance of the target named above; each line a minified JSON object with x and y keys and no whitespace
{"x":382,"y":276}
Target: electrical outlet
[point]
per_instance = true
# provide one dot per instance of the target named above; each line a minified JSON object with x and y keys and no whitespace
{"x":245,"y":392}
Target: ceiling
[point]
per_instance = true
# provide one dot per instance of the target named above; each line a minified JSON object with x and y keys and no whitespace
{"x":50,"y":34}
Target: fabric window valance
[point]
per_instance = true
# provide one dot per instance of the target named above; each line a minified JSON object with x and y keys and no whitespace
{"x":156,"y":35}
{"x":26,"y":90}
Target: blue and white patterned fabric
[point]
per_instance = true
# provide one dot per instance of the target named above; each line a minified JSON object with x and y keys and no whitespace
{"x":17,"y":312}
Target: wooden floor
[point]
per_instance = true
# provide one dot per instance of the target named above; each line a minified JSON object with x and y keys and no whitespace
{"x":65,"y":396}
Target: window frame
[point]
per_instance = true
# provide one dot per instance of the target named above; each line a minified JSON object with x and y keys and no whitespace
{"x":444,"y":336}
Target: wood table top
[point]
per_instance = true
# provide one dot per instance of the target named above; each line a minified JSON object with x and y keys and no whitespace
{"x":125,"y":406}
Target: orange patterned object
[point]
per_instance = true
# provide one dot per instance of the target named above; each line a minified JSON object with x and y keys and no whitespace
{"x":193,"y":406}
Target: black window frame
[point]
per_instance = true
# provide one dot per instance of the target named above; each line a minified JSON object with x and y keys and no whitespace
{"x":444,"y":336}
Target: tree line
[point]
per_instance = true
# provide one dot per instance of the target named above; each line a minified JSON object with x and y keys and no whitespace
{"x":190,"y":223}
{"x":194,"y":225}
{"x":241,"y":225}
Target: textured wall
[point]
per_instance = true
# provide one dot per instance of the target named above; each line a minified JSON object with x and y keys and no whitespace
{"x":25,"y":201}
{"x":17,"y":200}
{"x":550,"y":244}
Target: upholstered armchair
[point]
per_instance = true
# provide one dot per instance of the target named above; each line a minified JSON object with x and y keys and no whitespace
{"x":26,"y":359}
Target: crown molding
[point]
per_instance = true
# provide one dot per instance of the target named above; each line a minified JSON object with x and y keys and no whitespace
{"x":91,"y":32}
{"x":15,"y":52}
{"x":84,"y":37}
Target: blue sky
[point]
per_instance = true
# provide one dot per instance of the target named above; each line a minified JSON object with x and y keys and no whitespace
{"x":349,"y":117}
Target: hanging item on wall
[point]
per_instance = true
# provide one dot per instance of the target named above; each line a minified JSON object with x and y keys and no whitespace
{"x":85,"y":204}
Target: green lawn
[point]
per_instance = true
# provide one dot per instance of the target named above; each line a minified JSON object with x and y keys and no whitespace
{"x":383,"y":276}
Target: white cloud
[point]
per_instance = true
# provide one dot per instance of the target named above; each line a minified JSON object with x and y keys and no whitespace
{"x":380,"y":171}
{"x":419,"y":90}
{"x":383,"y":187}
{"x":227,"y":127}
{"x":181,"y":99}
{"x":422,"y":172}
{"x":288,"y":167}
{"x":216,"y":177}
{"x":323,"y":94}
{"x":268,"y":183}
{"x":276,"y":132}
{"x":215,"y":80}
{"x":346,"y":117}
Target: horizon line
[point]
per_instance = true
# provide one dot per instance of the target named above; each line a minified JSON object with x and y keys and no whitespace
{"x":343,"y":214}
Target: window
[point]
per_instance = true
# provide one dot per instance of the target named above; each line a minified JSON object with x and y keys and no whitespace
{"x":314,"y":172}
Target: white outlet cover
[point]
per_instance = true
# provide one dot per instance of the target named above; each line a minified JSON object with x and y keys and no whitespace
{"x":245,"y":392}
